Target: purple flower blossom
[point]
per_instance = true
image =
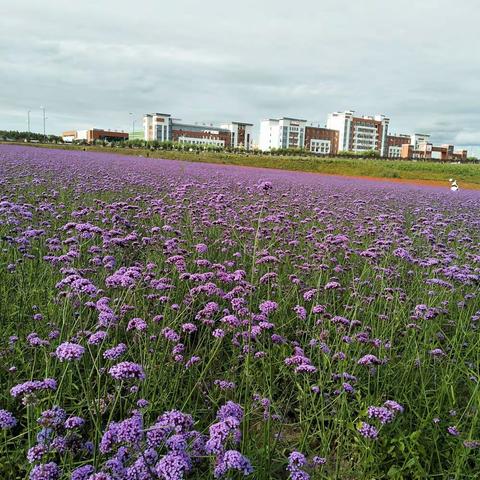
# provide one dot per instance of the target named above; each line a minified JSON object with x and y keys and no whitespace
{"x":230,"y":409}
{"x":453,"y":430}
{"x":32,"y":386}
{"x":368,"y":431}
{"x":115,"y":352}
{"x":97,"y":338}
{"x":7,"y":420}
{"x":224,"y":384}
{"x":319,"y":461}
{"x":383,"y":414}
{"x":173,"y":466}
{"x":137,"y":324}
{"x":82,"y":473}
{"x":393,"y":406}
{"x":226,"y":428}
{"x":267,"y":307}
{"x":69,"y":351}
{"x":296,"y":464}
{"x":201,"y":248}
{"x":127,"y":371}
{"x":47,"y":471}
{"x":53,"y":417}
{"x":128,"y":431}
{"x":300,"y":311}
{"x":73,"y":422}
{"x":369,"y":360}
{"x":171,"y":334}
{"x":471,"y":443}
{"x":37,"y":452}
{"x":232,"y":460}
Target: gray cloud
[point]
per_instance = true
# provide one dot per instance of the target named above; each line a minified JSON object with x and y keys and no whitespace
{"x":92,"y":62}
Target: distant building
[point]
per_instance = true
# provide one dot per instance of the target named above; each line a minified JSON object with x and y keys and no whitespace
{"x":282,"y":132}
{"x":287,"y":132}
{"x":418,"y":146}
{"x":418,"y":139}
{"x":89,"y":136}
{"x":69,"y":136}
{"x":428,"y":151}
{"x":241,"y":134}
{"x":162,"y":127}
{"x":321,"y":140}
{"x":395,"y":143}
{"x":360,"y":134}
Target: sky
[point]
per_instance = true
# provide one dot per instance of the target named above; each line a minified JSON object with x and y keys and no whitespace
{"x":91,"y":63}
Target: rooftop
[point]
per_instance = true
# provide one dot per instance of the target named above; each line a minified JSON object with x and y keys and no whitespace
{"x":186,"y":126}
{"x":159,"y":114}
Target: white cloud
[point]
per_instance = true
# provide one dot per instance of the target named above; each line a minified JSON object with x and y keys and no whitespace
{"x":468,"y":138}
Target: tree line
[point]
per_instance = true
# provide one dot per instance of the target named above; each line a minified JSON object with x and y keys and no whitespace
{"x":15,"y":135}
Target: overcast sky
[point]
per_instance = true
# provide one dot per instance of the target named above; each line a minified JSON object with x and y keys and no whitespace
{"x":91,"y":62}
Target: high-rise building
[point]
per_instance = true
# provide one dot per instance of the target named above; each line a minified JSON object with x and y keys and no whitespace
{"x":360,"y":134}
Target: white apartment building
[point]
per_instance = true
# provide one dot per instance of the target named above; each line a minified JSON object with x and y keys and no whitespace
{"x":241,"y":134}
{"x":419,"y":139}
{"x":359,"y":134}
{"x":282,"y":132}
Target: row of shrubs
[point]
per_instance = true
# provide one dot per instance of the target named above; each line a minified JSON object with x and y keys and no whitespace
{"x":286,"y":152}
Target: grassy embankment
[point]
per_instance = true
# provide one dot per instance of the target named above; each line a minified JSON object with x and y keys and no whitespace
{"x":468,"y":175}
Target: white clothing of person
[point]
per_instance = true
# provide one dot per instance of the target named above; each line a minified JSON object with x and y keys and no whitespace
{"x":454,"y":185}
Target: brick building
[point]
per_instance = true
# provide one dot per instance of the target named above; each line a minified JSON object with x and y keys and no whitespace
{"x":428,"y":151}
{"x":92,"y":134}
{"x":162,"y":127}
{"x":360,"y":134}
{"x":395,"y":143}
{"x":321,"y":140}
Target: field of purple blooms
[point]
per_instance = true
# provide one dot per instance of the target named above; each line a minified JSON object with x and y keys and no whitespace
{"x":170,"y":320}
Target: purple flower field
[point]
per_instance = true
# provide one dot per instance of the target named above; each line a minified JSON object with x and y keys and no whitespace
{"x":171,"y":320}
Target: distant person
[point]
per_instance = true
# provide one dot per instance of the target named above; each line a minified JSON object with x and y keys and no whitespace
{"x":454,"y":185}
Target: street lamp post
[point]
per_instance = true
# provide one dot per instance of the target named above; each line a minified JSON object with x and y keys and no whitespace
{"x":44,"y":118}
{"x":133,"y":124}
{"x":28,"y":121}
